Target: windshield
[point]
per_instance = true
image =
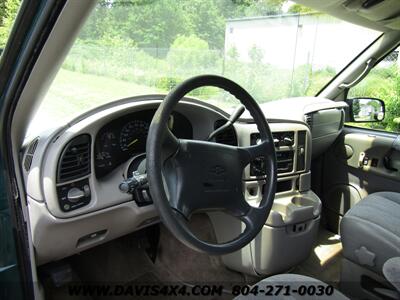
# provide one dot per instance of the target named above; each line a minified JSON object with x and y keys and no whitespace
{"x":273,"y":48}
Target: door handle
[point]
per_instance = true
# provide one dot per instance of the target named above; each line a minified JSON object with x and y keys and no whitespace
{"x":387,"y":160}
{"x":368,"y":67}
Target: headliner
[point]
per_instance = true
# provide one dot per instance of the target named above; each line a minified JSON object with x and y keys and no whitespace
{"x":384,"y":16}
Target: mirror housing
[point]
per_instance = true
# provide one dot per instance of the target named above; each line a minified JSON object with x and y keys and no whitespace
{"x":366,"y":110}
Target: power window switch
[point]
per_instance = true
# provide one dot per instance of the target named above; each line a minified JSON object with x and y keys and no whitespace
{"x":374,"y":162}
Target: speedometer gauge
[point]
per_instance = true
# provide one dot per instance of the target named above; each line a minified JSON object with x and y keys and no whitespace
{"x":133,"y":136}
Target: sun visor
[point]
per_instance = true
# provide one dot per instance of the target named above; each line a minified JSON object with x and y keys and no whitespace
{"x":385,"y":12}
{"x":392,"y":23}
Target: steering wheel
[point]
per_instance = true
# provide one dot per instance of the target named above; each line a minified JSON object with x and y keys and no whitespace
{"x":186,"y":176}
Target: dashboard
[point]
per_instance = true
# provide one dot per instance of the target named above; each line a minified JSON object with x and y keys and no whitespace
{"x":74,"y":174}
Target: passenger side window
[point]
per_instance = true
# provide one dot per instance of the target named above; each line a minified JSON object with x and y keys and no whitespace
{"x":383,"y":82}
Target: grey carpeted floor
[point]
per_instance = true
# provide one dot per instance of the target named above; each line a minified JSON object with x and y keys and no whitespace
{"x":124,"y":261}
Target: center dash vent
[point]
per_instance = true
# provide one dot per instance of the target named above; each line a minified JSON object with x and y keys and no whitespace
{"x":74,"y":161}
{"x":309,"y":120}
{"x":29,"y":154}
{"x":227,"y":137}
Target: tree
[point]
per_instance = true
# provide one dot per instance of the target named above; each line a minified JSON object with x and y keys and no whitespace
{"x":8,"y":12}
{"x":206,"y":21}
{"x":298,"y":8}
{"x":157,"y":23}
{"x":256,"y":55}
{"x":232,"y":54}
{"x":189,"y":53}
{"x":392,"y":101}
{"x":356,"y":107}
{"x":149,"y":23}
{"x":264,"y":7}
{"x":2,"y":11}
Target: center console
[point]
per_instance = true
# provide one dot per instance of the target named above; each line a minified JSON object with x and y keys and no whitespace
{"x":290,"y":231}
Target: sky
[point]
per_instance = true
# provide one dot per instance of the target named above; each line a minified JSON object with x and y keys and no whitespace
{"x":287,"y":5}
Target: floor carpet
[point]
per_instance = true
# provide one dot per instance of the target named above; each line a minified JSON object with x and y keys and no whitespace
{"x":325,"y":260}
{"x":125,"y":262}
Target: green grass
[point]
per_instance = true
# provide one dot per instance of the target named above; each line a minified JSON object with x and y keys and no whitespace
{"x":73,"y":93}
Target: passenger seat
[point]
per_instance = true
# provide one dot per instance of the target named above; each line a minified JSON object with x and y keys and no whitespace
{"x":371,"y":230}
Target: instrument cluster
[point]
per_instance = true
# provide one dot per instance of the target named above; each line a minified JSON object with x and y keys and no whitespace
{"x":123,"y":138}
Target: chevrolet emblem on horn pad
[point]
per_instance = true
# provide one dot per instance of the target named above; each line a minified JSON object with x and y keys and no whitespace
{"x":217,"y":170}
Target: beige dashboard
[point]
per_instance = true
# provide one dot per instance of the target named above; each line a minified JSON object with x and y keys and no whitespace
{"x":109,"y":213}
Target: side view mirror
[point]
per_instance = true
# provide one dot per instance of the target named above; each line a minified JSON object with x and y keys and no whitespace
{"x":364,"y":110}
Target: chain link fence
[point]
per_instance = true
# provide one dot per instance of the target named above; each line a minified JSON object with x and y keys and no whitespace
{"x":272,"y":57}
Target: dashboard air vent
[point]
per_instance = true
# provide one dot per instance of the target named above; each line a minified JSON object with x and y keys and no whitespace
{"x":309,"y":120}
{"x":75,"y":159}
{"x":29,"y":154}
{"x":227,"y":137}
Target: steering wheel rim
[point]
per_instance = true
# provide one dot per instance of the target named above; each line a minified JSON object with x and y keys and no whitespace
{"x":170,"y":161}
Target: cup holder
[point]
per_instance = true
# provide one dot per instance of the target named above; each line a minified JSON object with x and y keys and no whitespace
{"x":294,"y":210}
{"x":281,"y":209}
{"x":303,"y":201}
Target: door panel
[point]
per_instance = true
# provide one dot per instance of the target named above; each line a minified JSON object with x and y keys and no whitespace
{"x":10,"y":287}
{"x":360,"y":162}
